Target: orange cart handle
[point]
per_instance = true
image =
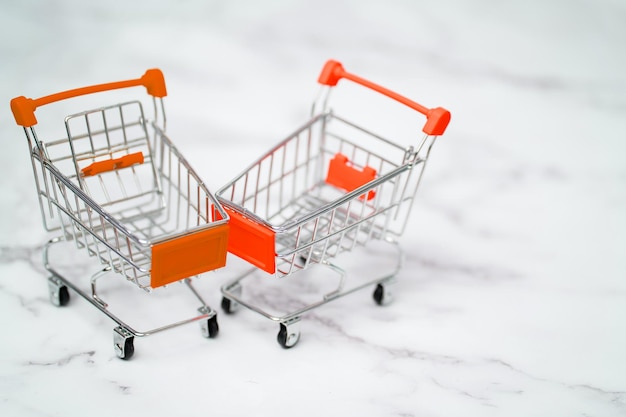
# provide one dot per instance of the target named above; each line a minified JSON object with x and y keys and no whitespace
{"x":437,"y":119}
{"x":24,"y":108}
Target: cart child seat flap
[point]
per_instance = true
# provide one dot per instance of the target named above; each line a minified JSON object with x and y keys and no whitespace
{"x":342,"y":174}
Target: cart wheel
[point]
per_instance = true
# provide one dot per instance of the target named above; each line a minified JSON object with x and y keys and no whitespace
{"x":129,"y":348}
{"x":64,"y":296}
{"x":287,"y":339}
{"x":212,"y":328}
{"x":124,"y":343}
{"x":382,"y":295}
{"x":126,"y":349}
{"x":228,"y":305}
{"x":59,"y":293}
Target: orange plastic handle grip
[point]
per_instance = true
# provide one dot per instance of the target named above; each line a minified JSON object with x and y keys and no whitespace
{"x":437,"y":119}
{"x":24,"y":108}
{"x":112,"y":164}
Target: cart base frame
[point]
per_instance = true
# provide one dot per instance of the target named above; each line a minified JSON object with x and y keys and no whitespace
{"x":124,"y":334}
{"x":289,"y":333}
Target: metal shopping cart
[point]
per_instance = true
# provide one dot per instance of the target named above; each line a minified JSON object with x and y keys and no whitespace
{"x":119,"y":190}
{"x":329,"y":187}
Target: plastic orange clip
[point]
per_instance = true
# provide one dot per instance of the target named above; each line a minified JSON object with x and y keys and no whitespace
{"x":343,"y":175}
{"x":112,"y":164}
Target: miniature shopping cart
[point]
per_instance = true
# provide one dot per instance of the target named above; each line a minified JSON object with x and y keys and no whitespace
{"x":329,"y":187}
{"x":118,"y":190}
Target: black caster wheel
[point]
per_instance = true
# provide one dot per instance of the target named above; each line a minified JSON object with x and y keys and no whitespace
{"x":124,"y":343}
{"x":129,"y":348}
{"x":64,"y":296}
{"x":58,"y":292}
{"x":211,"y":328}
{"x":380,"y":295}
{"x":228,"y":305}
{"x":287,"y":338}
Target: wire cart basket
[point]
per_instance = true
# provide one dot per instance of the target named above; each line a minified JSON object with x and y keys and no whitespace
{"x":118,"y":189}
{"x":329,"y":187}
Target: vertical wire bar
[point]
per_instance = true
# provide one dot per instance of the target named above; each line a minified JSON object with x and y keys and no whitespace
{"x":71,"y":144}
{"x":295,"y":168}
{"x":322,"y":154}
{"x":136,"y":178}
{"x":208,"y":212}
{"x":116,"y":234}
{"x":61,"y":217}
{"x":392,"y":202}
{"x":106,"y":132}
{"x":130,"y":258}
{"x":307,"y":170}
{"x":121,"y":183}
{"x":175,"y":189}
{"x":80,"y":223}
{"x":245,"y":189}
{"x":104,"y":189}
{"x":232,"y":190}
{"x":296,"y":246}
{"x":41,"y":154}
{"x":106,"y":238}
{"x":60,"y":214}
{"x":375,"y":206}
{"x":91,"y":144}
{"x":73,"y":223}
{"x":178,"y":191}
{"x":164,"y":175}
{"x":282,"y":178}
{"x":346,"y":223}
{"x":123,"y":126}
{"x":256,"y":187}
{"x":187,"y":211}
{"x":91,"y":228}
{"x":198,"y":210}
{"x":328,"y":233}
{"x":269,"y":187}
{"x":163,"y":113}
{"x":48,"y":177}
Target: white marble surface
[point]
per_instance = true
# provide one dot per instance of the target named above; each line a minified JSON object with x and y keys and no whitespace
{"x":513,"y":298}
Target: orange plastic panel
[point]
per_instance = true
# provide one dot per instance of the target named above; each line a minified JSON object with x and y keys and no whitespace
{"x":343,"y":175}
{"x":251,"y":241}
{"x":189,"y":255}
{"x":112,"y":164}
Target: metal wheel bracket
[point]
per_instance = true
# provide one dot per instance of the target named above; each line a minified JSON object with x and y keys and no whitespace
{"x":229,"y":305}
{"x":123,"y":342}
{"x":55,"y":289}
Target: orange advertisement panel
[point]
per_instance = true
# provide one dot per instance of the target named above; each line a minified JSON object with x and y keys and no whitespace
{"x":251,"y":241}
{"x":189,"y":255}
